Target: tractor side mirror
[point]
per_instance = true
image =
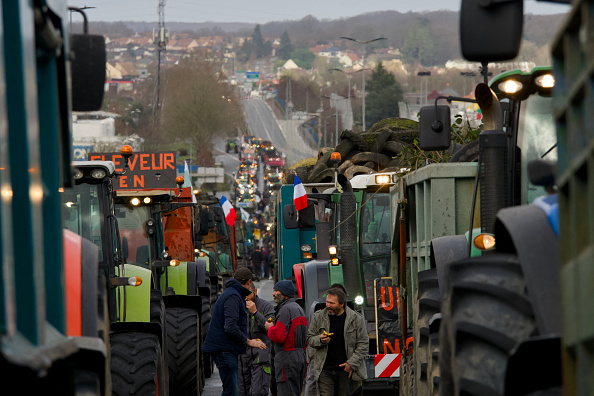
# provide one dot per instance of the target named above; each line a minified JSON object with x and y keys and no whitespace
{"x":219,"y":214}
{"x":88,"y":71}
{"x":435,"y":128}
{"x":307,"y":216}
{"x":204,"y":222}
{"x":491,"y":30}
{"x":290,"y":217}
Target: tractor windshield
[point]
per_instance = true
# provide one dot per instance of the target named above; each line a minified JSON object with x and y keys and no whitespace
{"x":536,"y":136}
{"x":81,"y":213}
{"x":134,"y":225}
{"x":375,"y":225}
{"x":374,"y":236}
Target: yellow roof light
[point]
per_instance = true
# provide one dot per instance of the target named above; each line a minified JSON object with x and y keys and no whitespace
{"x":134,"y":281}
{"x":484,"y":242}
{"x":382,"y":179}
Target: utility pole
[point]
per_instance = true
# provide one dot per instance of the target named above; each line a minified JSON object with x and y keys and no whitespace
{"x":160,"y":38}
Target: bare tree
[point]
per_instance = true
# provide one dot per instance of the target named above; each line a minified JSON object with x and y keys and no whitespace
{"x":199,"y":105}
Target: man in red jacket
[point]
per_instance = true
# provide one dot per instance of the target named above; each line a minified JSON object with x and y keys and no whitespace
{"x":288,"y":334}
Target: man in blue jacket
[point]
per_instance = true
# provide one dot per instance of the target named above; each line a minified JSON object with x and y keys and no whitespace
{"x":227,"y":334}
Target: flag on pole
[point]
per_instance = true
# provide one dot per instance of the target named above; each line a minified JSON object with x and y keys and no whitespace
{"x":299,"y":195}
{"x":187,"y":178}
{"x":245,"y":216}
{"x":188,"y":181}
{"x":229,"y":210}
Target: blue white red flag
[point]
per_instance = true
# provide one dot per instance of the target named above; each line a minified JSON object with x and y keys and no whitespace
{"x":229,"y":210}
{"x":299,"y":195}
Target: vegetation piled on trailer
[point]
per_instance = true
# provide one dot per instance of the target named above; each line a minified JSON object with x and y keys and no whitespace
{"x":390,"y":145}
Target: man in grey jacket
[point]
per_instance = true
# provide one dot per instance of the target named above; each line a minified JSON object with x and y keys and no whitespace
{"x":254,"y":365}
{"x":339,"y":337}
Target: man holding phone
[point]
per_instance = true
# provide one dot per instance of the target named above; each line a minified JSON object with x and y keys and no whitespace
{"x":339,"y":337}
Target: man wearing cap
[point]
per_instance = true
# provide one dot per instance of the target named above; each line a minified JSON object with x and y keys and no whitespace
{"x":289,"y":336}
{"x":227,"y":334}
{"x":254,"y":365}
{"x":339,"y":337}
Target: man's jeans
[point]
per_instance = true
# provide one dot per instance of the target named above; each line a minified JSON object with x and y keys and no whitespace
{"x":227,"y":364}
{"x":336,"y":383}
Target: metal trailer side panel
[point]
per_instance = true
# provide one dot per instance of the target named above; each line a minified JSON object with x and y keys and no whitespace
{"x":438,"y":202}
{"x":573,"y":105}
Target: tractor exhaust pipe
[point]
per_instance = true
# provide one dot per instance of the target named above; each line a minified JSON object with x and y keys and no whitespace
{"x":493,"y":159}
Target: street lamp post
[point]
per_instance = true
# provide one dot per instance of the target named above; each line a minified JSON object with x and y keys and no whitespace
{"x":348,"y":95}
{"x":424,"y":74}
{"x":335,"y":115}
{"x":363,"y":64}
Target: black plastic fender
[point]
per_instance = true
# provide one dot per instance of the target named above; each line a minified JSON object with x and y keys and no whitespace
{"x":183,"y":301}
{"x":526,"y":231}
{"x":446,"y":250}
{"x":315,"y":281}
{"x":192,"y":279}
{"x":202,"y":278}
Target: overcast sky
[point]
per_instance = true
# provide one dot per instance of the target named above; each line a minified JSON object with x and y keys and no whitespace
{"x":262,"y":11}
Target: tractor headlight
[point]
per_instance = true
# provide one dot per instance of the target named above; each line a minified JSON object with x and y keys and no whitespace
{"x":511,"y":86}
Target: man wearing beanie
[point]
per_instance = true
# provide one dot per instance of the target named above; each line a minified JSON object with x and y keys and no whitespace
{"x":289,"y":336}
{"x":227,"y":334}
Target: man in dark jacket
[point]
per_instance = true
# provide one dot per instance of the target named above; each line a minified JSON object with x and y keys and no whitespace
{"x":254,"y":365}
{"x":289,"y":337}
{"x":227,"y":334}
{"x":257,"y":261}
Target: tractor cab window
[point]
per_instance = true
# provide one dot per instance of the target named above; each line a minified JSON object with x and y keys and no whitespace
{"x":536,"y":136}
{"x":134,"y":229}
{"x":375,"y":225}
{"x":80,"y":212}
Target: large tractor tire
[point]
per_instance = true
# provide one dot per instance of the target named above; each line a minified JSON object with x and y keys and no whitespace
{"x":468,"y":153}
{"x":137,"y":365}
{"x":485,"y":314}
{"x":407,"y":376}
{"x":433,"y":375}
{"x":183,"y":353}
{"x":426,"y":304}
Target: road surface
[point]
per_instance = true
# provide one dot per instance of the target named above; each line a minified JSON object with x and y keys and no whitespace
{"x":282,"y":134}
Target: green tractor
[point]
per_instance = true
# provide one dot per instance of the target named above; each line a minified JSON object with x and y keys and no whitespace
{"x":475,"y":250}
{"x":51,"y":318}
{"x":135,"y":309}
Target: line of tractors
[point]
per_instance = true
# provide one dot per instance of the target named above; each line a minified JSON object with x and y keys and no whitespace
{"x":108,"y":276}
{"x":110,"y":268}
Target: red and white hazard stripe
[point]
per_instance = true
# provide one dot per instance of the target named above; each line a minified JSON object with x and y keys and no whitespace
{"x":387,"y":365}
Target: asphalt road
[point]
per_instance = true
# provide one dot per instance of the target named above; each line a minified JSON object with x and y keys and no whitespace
{"x":282,"y":134}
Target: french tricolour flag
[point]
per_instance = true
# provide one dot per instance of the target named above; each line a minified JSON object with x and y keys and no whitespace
{"x":299,"y":195}
{"x":229,"y":210}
